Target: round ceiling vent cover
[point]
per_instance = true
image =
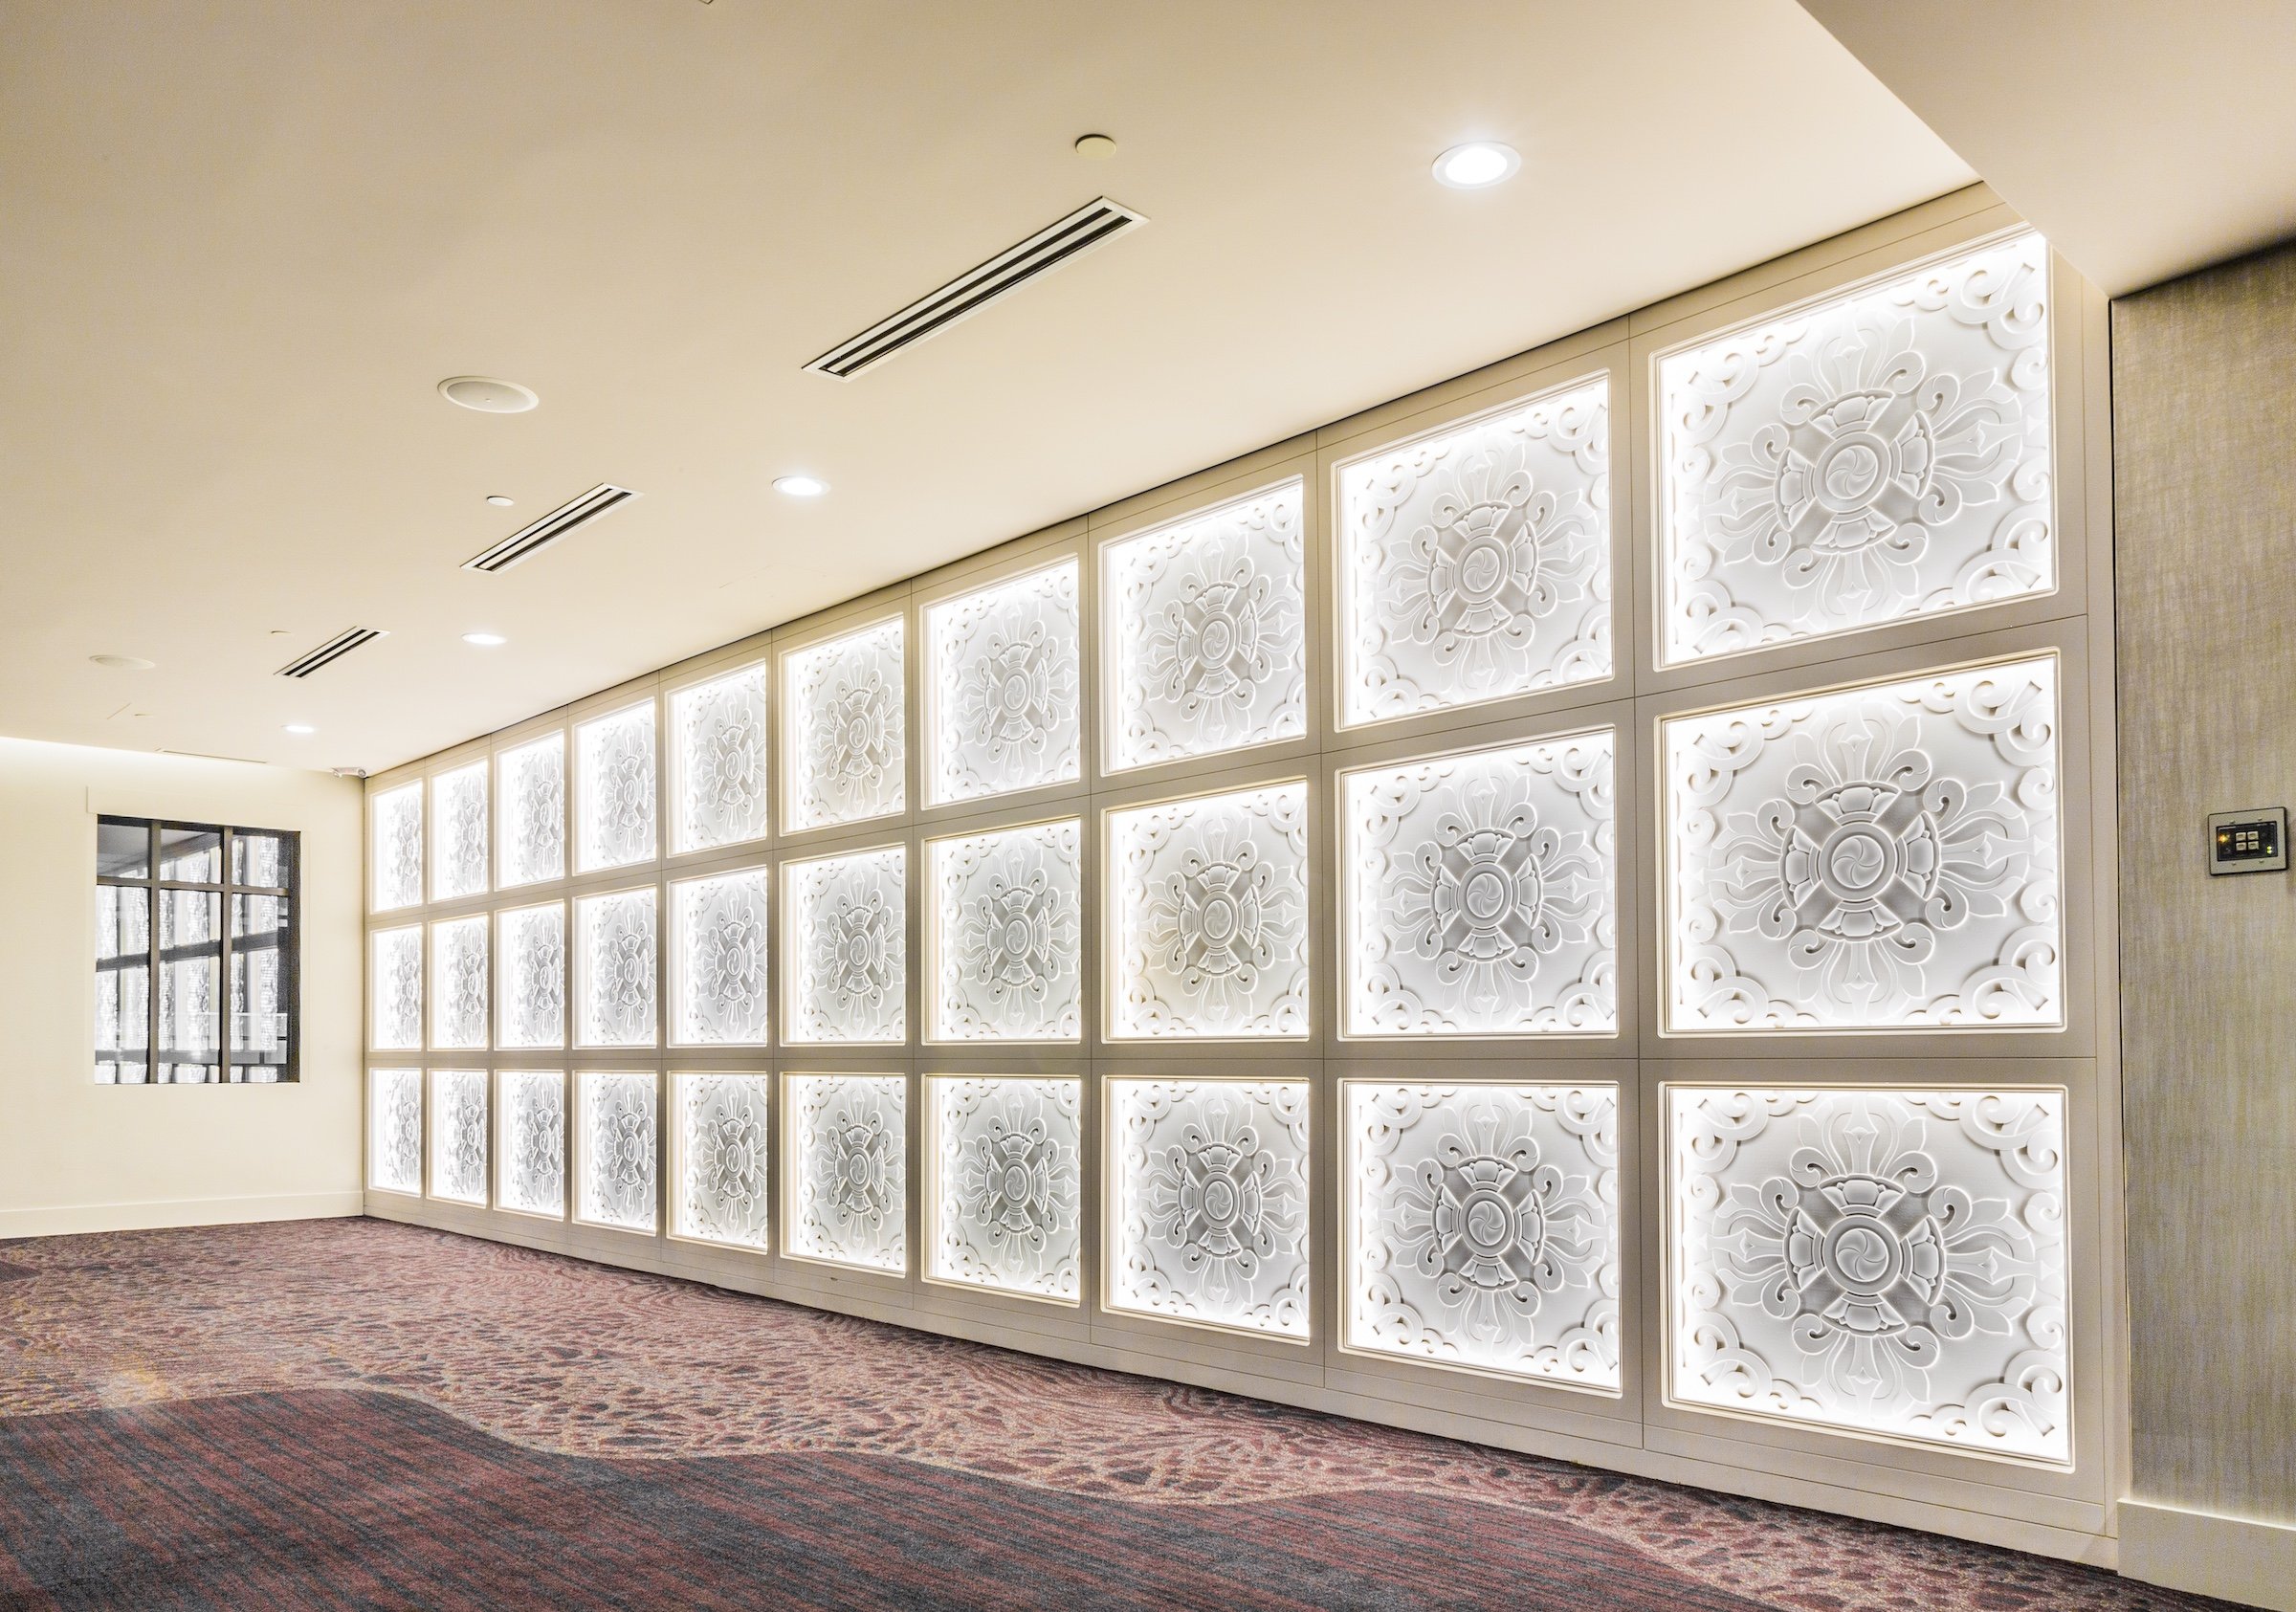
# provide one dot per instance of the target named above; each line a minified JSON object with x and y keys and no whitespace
{"x":487,"y":395}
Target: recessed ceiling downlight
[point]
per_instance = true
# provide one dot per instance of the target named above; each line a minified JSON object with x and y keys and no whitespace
{"x":487,"y":395}
{"x":485,"y":640}
{"x":799,"y":486}
{"x":123,"y":663}
{"x":500,"y":501}
{"x":1476,"y":166}
{"x":299,"y":729}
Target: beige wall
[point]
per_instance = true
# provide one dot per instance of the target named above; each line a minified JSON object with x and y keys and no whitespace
{"x":2204,"y":415}
{"x":80,"y":1157}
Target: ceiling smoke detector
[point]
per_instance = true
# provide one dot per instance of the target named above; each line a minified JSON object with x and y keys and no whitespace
{"x":487,"y":395}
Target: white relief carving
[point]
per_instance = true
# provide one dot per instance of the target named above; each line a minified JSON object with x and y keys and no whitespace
{"x":717,"y":761}
{"x":1008,"y":927}
{"x":617,"y":1153}
{"x":1880,"y":858}
{"x":1212,"y":1203}
{"x":458,"y":832}
{"x":718,"y":959}
{"x":459,"y":1135}
{"x":394,"y":1130}
{"x":845,"y":705}
{"x":1210,"y":928}
{"x":531,"y":975}
{"x":1483,"y":1228}
{"x":1207,"y":631}
{"x":613,"y":974}
{"x":534,"y":1142}
{"x":614,"y":755}
{"x":1481,"y":892}
{"x":1005,"y":692}
{"x":1880,"y":455}
{"x":848,"y":1170}
{"x":1888,"y":1261}
{"x":396,"y":880}
{"x":1476,"y":560}
{"x":398,"y":988}
{"x":723,"y":1183}
{"x":458,"y":965}
{"x":1007,"y":1201}
{"x":533,"y":808}
{"x":848,"y":968}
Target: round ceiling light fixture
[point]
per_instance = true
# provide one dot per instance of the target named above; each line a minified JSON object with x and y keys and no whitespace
{"x":487,"y":395}
{"x":1476,"y":166}
{"x":500,"y":501}
{"x":300,"y":730}
{"x":799,"y":486}
{"x":485,"y":640}
{"x":123,"y":663}
{"x":1095,"y":147}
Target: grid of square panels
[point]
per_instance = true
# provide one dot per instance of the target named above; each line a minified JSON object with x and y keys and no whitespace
{"x":1337,"y":778}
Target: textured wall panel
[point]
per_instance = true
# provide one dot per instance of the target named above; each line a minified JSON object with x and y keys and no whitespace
{"x":720,"y":982}
{"x":614,"y":969}
{"x":458,"y":832}
{"x":459,"y":1135}
{"x":458,"y":983}
{"x":1005,"y":688}
{"x":848,"y":948}
{"x":1007,"y":1201}
{"x":395,"y":988}
{"x":613,"y":790}
{"x":533,"y":812}
{"x":532,"y":1165}
{"x":722,"y":1192}
{"x":845,"y":705}
{"x":394,"y":1130}
{"x":616,"y":1156}
{"x":531,"y":975}
{"x":1008,"y":924}
{"x":848,"y":1170}
{"x":718,"y":761}
{"x":395,"y":864}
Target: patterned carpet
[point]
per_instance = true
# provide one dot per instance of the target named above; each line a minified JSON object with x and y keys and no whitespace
{"x":358,"y":1414}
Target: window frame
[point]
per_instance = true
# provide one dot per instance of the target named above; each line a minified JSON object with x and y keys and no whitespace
{"x":288,"y":943}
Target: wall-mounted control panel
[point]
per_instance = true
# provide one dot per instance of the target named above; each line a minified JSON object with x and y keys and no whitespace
{"x":2248,"y":842}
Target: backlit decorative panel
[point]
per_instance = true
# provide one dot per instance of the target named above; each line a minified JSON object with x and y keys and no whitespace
{"x":614,"y":789}
{"x":1207,"y":631}
{"x":458,"y":832}
{"x":533,"y":1132}
{"x":1212,"y":1203}
{"x":459,"y":1135}
{"x":533,"y":809}
{"x":458,"y":966}
{"x":717,"y":960}
{"x":613,"y":969}
{"x":532,"y":975}
{"x":847,"y":947}
{"x":845,"y":707}
{"x":1007,"y":1185}
{"x":1004,"y":688}
{"x":1883,"y":857}
{"x":1483,"y":1228}
{"x":1007,"y":928}
{"x":1879,"y":455}
{"x":721,"y":1192}
{"x":1481,"y":894}
{"x":394,"y":1130}
{"x":717,"y":761}
{"x":617,"y":1151}
{"x":1879,"y":1260}
{"x":849,"y":1169}
{"x":1475,"y":562}
{"x":1210,"y":932}
{"x":396,"y":993}
{"x":395,"y":878}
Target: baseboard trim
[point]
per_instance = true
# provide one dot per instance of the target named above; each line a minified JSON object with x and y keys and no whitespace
{"x":66,"y":1220}
{"x":2233,"y":1558}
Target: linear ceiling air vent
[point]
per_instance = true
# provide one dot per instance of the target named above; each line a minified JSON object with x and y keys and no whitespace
{"x":966,"y":296}
{"x":530,"y":539}
{"x":332,"y":650}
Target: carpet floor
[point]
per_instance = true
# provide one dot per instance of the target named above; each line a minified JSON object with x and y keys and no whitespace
{"x":361,"y":1415}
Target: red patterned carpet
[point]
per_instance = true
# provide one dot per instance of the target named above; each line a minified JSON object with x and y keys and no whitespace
{"x":357,"y":1413}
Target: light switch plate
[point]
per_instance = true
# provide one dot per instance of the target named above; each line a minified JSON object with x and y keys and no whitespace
{"x":2255,"y":841}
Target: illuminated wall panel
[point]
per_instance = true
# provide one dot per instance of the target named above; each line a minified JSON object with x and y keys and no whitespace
{"x":1481,"y":892}
{"x":844,"y":713}
{"x":1004,"y":690}
{"x":1007,"y":921}
{"x":533,"y":812}
{"x":531,"y":975}
{"x":458,"y":832}
{"x":848,"y":1170}
{"x":1886,"y":1261}
{"x":459,"y":1131}
{"x":1209,"y":1212}
{"x":1007,"y":1186}
{"x":846,"y":948}
{"x":1482,"y":1227}
{"x":394,"y":1130}
{"x":1882,"y":857}
{"x":533,"y":1139}
{"x":395,"y":989}
{"x":458,"y":983}
{"x":395,"y":866}
{"x":723,"y":1189}
{"x":614,"y":969}
{"x":1880,"y":454}
{"x":717,"y":766}
{"x":1474,"y":560}
{"x":1207,"y":630}
{"x":720,"y":985}
{"x":613,"y":790}
{"x":616,"y":1168}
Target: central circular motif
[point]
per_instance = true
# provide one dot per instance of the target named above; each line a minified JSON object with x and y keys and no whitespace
{"x":1849,"y":473}
{"x":1016,"y":937}
{"x":1219,"y":1203}
{"x":1014,"y":694}
{"x":1486,"y":1223}
{"x":856,"y":1168}
{"x":856,"y":732}
{"x":1218,"y":639}
{"x":1483,"y":894}
{"x":1863,"y":1255}
{"x":1220,"y":917}
{"x":1016,"y":1181}
{"x":1858,"y":859}
{"x":1482,"y":568}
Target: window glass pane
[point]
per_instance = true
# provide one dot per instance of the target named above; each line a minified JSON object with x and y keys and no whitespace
{"x":122,"y":849}
{"x":122,"y":983}
{"x":191,"y":981}
{"x":258,"y":859}
{"x":194,"y":856}
{"x":259,"y":1026}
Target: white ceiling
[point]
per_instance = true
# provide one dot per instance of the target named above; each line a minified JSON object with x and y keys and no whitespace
{"x":243,"y":242}
{"x":2146,"y":138}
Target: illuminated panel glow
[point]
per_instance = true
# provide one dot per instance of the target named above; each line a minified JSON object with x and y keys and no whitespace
{"x":846,"y":952}
{"x":533,"y":1143}
{"x":394,"y":1130}
{"x":459,"y":1131}
{"x":1007,"y":1186}
{"x":844,"y":715}
{"x":848,"y":1170}
{"x":616,"y":1154}
{"x":722,"y":1190}
{"x":1003,"y":694}
{"x":1007,"y":930}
